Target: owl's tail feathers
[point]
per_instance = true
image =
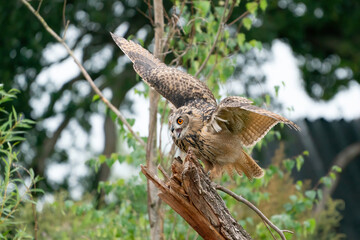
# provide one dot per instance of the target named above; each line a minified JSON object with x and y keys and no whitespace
{"x":245,"y":164}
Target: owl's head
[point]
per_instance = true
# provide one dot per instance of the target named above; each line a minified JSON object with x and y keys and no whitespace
{"x":179,"y":125}
{"x":184,"y":121}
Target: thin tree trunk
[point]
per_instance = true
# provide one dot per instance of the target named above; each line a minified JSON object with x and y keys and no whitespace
{"x":109,"y":148}
{"x":48,"y":147}
{"x":154,"y":202}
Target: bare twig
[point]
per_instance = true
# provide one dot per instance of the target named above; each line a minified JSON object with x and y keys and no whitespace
{"x":254,"y":208}
{"x":66,"y":23}
{"x":39,"y":6}
{"x":147,"y":16}
{"x":221,"y":26}
{"x":188,"y":47}
{"x":240,"y":17}
{"x":63,"y":14}
{"x":148,"y":3}
{"x":84,"y":72}
{"x":230,"y":10}
{"x":267,"y":226}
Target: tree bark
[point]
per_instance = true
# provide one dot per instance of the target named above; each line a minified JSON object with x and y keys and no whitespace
{"x":154,"y":202}
{"x":190,"y":193}
{"x":109,"y":148}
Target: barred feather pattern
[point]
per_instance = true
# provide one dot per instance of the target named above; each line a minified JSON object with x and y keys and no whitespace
{"x":216,"y":133}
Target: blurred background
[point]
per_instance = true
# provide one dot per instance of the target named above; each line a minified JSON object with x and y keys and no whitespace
{"x":309,"y":66}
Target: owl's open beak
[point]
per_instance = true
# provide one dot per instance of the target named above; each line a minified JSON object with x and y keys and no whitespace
{"x":178,"y":132}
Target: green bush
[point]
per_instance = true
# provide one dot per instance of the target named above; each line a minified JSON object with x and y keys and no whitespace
{"x":17,"y":184}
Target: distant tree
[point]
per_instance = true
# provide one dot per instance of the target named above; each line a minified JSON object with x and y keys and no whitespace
{"x":26,"y":51}
{"x":323,"y":35}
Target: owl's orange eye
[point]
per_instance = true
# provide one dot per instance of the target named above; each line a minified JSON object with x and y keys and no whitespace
{"x":180,"y":121}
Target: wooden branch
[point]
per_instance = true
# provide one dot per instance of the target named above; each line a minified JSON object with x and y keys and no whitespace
{"x":84,"y":72}
{"x":190,"y":193}
{"x":240,"y":17}
{"x":255,"y":209}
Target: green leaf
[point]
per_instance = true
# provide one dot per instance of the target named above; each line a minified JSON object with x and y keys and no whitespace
{"x":240,"y":38}
{"x":320,"y":194}
{"x":131,"y":121}
{"x":219,"y":10}
{"x":298,"y":185}
{"x":267,"y":99}
{"x":336,"y":169}
{"x":276,"y":87}
{"x":247,"y":23}
{"x":110,"y":161}
{"x":310,"y":225}
{"x":327,"y":181}
{"x":263,"y":4}
{"x":14,"y":112}
{"x":102,"y":158}
{"x":112,"y":115}
{"x":203,"y":6}
{"x":293,"y":198}
{"x":95,"y":98}
{"x":310,"y":194}
{"x":289,"y":164}
{"x":299,"y":162}
{"x":256,"y":44}
{"x":332,"y":175}
{"x":252,"y":7}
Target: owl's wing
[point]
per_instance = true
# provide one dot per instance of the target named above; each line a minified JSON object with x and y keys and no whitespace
{"x":176,"y":86}
{"x":249,"y":122}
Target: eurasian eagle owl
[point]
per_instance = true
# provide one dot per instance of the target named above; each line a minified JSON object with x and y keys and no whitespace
{"x":215,"y":133}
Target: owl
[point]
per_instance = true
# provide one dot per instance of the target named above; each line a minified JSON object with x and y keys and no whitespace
{"x":215,"y":133}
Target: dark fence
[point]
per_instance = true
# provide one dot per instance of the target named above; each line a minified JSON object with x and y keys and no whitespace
{"x":325,"y":140}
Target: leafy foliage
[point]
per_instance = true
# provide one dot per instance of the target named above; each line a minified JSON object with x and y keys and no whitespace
{"x":14,"y":188}
{"x":286,"y":202}
{"x":323,"y":38}
{"x":29,"y":53}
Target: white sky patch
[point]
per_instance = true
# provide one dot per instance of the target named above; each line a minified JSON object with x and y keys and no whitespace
{"x":283,"y":68}
{"x":97,"y":137}
{"x":140,"y":109}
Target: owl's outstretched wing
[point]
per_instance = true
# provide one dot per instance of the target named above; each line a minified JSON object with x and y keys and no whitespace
{"x":249,"y":122}
{"x":176,"y":86}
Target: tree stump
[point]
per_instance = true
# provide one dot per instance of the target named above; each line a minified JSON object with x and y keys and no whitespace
{"x":190,"y":193}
